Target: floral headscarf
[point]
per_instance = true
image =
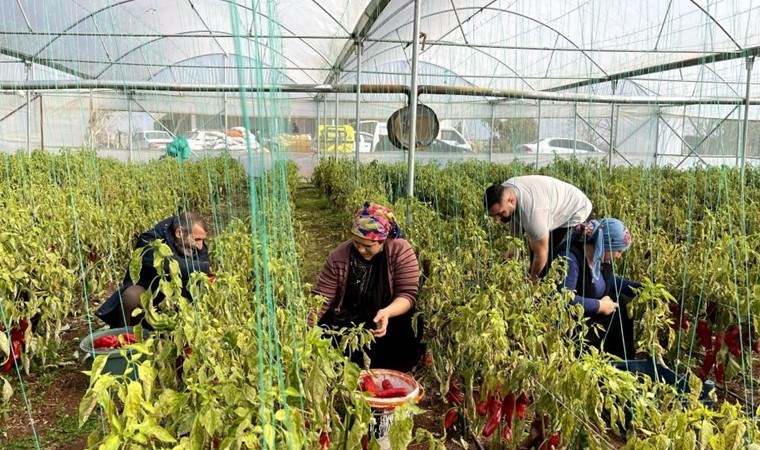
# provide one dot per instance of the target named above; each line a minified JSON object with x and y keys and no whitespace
{"x":376,"y":223}
{"x":605,"y":234}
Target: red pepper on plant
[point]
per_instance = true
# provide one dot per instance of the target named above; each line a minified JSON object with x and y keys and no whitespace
{"x":482,"y":406}
{"x":451,"y":417}
{"x":720,"y":373}
{"x":454,"y":395}
{"x":324,"y":440}
{"x":506,"y":433}
{"x":522,"y":404}
{"x":508,"y":408}
{"x":704,"y":334}
{"x":707,"y":365}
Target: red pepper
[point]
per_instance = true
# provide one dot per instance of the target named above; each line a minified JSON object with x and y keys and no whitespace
{"x":93,"y":256}
{"x":105,"y":342}
{"x":482,"y":406}
{"x":522,"y":404}
{"x":704,"y":334}
{"x":735,"y":350}
{"x":536,"y":435}
{"x":367,"y":384}
{"x":211,"y":278}
{"x":553,"y":443}
{"x":494,"y":405}
{"x":127,"y":339}
{"x":392,"y":393}
{"x":324,"y":440}
{"x":707,"y":365}
{"x":720,"y":373}
{"x":23,"y":324}
{"x":454,"y":395}
{"x":365,"y":442}
{"x":15,"y":353}
{"x":451,"y":417}
{"x":506,"y":433}
{"x":492,"y":423}
{"x":508,"y":408}
{"x":718,"y":342}
{"x":387,"y":384}
{"x":17,"y":334}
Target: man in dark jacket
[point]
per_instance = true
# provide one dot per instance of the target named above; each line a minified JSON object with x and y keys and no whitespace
{"x":185,"y":235}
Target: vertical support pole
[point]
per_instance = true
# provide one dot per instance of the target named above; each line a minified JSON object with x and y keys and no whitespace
{"x":317,"y":131}
{"x":335,"y":148}
{"x":413,"y":104}
{"x":657,"y":135}
{"x":750,"y":63}
{"x":324,"y":127}
{"x":538,"y":134}
{"x":42,"y":128}
{"x":612,"y":129}
{"x":28,"y":66}
{"x":490,"y":141}
{"x":92,"y":133}
{"x":575,"y":125}
{"x":224,"y":81}
{"x":359,"y":52}
{"x":129,"y":113}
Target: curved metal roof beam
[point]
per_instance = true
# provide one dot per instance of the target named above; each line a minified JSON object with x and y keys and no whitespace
{"x":500,"y":62}
{"x":231,"y":2}
{"x":453,"y":74}
{"x":176,"y":65}
{"x":715,"y":21}
{"x":484,"y":8}
{"x":195,"y":31}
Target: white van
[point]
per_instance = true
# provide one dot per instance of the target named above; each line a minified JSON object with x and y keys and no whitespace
{"x":448,"y":139}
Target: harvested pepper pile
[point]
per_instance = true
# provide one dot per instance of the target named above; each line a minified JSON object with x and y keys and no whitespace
{"x":113,"y":341}
{"x":387,"y":390}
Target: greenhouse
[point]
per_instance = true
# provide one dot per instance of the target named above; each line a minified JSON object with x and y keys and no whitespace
{"x":433,"y":224}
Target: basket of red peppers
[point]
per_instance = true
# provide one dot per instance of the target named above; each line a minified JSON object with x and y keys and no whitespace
{"x":109,"y":342}
{"x":387,"y":389}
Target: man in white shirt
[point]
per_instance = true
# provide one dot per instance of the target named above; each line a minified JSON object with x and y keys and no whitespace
{"x":544,"y":208}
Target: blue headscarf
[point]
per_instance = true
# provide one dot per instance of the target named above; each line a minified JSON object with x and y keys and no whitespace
{"x":605,"y":235}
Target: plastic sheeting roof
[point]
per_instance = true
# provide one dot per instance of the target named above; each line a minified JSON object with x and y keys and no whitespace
{"x":516,"y":44}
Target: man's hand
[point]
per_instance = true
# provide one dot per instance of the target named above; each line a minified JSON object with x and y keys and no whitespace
{"x":607,"y":306}
{"x":381,"y":319}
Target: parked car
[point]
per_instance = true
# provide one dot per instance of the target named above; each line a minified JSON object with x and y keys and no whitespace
{"x":454,"y":138}
{"x":557,"y":146}
{"x":151,"y":139}
{"x":449,"y":140}
{"x":441,"y":146}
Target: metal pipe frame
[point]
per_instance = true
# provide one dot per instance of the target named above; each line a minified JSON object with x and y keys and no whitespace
{"x":413,"y":104}
{"x":359,"y":50}
{"x":372,"y":89}
{"x":593,"y":128}
{"x":750,"y":63}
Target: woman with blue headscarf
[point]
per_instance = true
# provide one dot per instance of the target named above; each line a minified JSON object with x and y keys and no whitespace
{"x":603,"y":295}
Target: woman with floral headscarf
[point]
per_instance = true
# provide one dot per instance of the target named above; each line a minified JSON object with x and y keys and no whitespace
{"x":373,"y":279}
{"x":603,"y":295}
